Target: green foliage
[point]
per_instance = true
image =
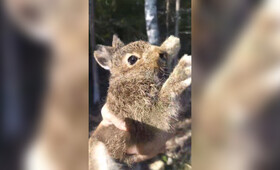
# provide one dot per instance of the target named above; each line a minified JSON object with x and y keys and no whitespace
{"x":164,"y":158}
{"x":184,"y":23}
{"x":123,"y":17}
{"x":127,"y":19}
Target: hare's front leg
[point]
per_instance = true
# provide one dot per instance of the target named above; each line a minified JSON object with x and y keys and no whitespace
{"x":178,"y":80}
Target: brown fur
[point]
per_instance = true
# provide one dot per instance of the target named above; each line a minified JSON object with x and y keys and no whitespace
{"x":141,"y":94}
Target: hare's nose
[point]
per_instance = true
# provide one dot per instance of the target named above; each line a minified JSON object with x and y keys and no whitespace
{"x":163,"y":56}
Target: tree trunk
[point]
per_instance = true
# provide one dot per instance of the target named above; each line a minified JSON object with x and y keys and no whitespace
{"x":167,"y":17}
{"x":151,"y":21}
{"x":177,"y":18}
{"x":96,"y":92}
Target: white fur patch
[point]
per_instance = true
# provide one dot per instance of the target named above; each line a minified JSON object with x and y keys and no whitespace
{"x":102,"y":158}
{"x":187,"y":58}
{"x":187,"y":82}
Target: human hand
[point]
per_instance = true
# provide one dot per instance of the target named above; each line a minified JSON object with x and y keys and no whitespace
{"x":111,"y":119}
{"x":142,"y":153}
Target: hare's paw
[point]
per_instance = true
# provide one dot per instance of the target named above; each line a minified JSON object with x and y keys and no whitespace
{"x":186,"y":83}
{"x":182,"y":72}
{"x":179,"y":79}
{"x":171,"y":46}
{"x":185,"y":61}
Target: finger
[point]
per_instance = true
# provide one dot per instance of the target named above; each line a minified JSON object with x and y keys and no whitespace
{"x":140,"y":158}
{"x":105,"y":112}
{"x":132,"y":150}
{"x":109,"y":117}
{"x":105,"y":122}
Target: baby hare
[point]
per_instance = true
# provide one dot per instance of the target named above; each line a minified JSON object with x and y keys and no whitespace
{"x":142,"y":92}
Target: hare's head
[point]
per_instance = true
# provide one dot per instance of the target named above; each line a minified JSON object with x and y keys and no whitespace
{"x":136,"y":58}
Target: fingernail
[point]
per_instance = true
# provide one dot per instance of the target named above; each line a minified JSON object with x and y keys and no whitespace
{"x":106,"y":123}
{"x":123,"y":126}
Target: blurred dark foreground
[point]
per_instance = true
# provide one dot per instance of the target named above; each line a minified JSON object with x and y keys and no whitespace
{"x":44,"y":84}
{"x":236,"y":85}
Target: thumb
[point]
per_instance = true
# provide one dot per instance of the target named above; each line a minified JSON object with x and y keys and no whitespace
{"x":110,"y":117}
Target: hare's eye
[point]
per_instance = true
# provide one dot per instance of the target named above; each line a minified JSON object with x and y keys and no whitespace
{"x":132,"y":59}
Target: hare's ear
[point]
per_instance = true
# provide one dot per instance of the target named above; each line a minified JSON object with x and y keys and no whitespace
{"x":103,"y":56}
{"x":117,"y":43}
{"x":171,"y":45}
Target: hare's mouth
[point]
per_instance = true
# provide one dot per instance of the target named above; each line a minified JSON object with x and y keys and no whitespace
{"x":163,"y":73}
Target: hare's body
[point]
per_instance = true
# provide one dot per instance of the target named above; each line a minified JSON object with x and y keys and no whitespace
{"x":141,"y":93}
